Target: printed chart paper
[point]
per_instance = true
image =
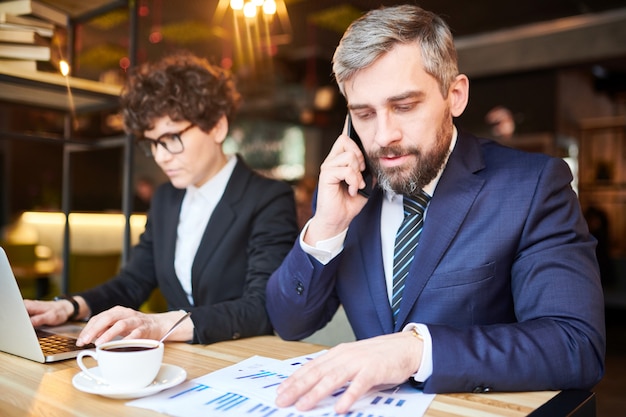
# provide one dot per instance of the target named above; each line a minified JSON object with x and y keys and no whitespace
{"x":248,"y":389}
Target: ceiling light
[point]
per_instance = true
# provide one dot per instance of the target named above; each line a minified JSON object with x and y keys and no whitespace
{"x":269,"y":7}
{"x":249,"y":10}
{"x":236,"y":4}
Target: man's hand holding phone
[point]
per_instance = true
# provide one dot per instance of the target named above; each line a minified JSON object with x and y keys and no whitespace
{"x":339,"y":195}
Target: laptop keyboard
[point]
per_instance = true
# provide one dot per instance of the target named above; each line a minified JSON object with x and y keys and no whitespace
{"x":54,"y":343}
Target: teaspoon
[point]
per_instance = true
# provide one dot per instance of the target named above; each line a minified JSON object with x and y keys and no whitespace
{"x":175,"y":326}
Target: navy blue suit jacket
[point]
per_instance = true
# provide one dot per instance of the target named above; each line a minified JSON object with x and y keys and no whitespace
{"x":505,"y":277}
{"x":249,"y":233}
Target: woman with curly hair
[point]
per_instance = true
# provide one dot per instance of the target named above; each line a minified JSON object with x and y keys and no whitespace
{"x":215,"y":232}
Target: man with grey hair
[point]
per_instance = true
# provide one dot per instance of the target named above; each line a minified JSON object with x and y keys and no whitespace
{"x":469,"y":268}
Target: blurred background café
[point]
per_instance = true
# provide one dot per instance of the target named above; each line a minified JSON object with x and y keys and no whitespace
{"x":545,"y":76}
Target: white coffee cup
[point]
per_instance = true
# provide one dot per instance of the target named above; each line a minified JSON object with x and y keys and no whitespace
{"x":125,"y":364}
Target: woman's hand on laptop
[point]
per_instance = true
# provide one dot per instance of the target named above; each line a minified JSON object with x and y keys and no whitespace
{"x":123,"y":322}
{"x":52,"y":313}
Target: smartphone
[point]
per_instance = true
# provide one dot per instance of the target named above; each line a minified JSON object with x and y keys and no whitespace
{"x":367,"y":172}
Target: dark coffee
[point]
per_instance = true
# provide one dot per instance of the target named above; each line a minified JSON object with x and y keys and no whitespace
{"x":128,"y":348}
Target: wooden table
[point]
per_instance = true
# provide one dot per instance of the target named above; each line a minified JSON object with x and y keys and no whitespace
{"x":30,"y":389}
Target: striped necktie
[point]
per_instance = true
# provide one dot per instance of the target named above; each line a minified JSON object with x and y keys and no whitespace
{"x":406,"y":241}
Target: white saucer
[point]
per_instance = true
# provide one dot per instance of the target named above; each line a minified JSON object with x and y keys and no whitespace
{"x":168,"y":376}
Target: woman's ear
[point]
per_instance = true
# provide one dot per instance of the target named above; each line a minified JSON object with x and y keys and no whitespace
{"x":458,"y":95}
{"x":220,"y":130}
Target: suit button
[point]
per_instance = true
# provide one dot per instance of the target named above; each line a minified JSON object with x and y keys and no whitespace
{"x":300,"y":288}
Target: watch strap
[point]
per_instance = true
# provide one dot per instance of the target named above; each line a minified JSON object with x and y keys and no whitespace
{"x":74,"y":304}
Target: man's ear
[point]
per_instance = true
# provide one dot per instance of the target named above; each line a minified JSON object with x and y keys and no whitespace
{"x":458,"y":95}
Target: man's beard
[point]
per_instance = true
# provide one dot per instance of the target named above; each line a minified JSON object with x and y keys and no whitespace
{"x":410,"y":179}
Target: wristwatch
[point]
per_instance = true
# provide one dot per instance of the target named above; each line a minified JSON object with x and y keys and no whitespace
{"x":74,"y":304}
{"x":415,"y":333}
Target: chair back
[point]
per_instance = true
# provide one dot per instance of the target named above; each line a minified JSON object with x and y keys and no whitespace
{"x":86,"y":270}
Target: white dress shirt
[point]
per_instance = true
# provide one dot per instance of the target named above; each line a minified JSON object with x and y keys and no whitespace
{"x":392,"y":214}
{"x":195,"y":212}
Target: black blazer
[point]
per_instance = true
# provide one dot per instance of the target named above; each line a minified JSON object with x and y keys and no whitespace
{"x":249,"y":233}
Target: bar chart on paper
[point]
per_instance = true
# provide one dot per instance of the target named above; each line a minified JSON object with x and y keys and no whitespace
{"x":194,"y":399}
{"x":248,"y":389}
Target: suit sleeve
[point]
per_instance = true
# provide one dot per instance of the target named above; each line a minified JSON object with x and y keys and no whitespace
{"x":300,"y":294}
{"x":558,"y":340}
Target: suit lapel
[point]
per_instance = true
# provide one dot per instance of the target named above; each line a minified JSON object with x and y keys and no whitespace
{"x":371,"y":255}
{"x":221,"y":220}
{"x":170,"y":228}
{"x":456,"y":191}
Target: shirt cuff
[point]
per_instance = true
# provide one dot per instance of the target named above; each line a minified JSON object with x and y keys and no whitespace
{"x":324,"y":250}
{"x":426,"y":365}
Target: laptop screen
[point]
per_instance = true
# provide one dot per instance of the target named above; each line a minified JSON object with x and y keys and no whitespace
{"x":18,"y":334}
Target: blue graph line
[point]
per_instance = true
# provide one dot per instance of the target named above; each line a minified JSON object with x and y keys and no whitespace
{"x":265,"y":374}
{"x":261,"y":374}
{"x":199,"y":387}
{"x":271,"y":385}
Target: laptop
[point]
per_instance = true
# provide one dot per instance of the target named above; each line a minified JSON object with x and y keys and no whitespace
{"x":17,"y":334}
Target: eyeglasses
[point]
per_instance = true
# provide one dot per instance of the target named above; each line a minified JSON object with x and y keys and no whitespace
{"x":171,"y":142}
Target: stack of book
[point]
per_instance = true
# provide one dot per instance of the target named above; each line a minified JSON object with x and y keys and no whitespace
{"x":26,"y":29}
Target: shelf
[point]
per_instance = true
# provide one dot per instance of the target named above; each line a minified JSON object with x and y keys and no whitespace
{"x":603,"y":123}
{"x":602,"y":186}
{"x":50,"y":91}
{"x":72,"y":97}
{"x":81,"y":9}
